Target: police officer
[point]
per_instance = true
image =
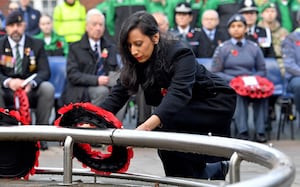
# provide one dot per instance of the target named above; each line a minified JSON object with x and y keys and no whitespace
{"x":239,"y":56}
{"x":255,"y":33}
{"x":184,"y":31}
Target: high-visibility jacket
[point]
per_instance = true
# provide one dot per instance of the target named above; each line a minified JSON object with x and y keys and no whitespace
{"x":69,"y":21}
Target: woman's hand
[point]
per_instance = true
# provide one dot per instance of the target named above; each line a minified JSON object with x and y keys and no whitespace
{"x":151,"y":123}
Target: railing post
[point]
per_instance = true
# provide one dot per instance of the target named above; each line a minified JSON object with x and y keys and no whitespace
{"x":234,"y":168}
{"x":68,"y":164}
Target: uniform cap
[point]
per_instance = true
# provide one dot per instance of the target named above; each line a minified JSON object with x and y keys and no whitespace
{"x":267,"y":5}
{"x":248,"y":6}
{"x":236,"y":17}
{"x":14,"y":17}
{"x":183,"y":8}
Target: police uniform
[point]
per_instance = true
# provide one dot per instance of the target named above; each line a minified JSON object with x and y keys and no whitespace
{"x":230,"y":61}
{"x":189,"y":35}
{"x":258,"y":34}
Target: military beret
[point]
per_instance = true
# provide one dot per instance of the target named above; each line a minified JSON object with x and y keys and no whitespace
{"x":267,"y":5}
{"x":248,"y":6}
{"x":183,"y":8}
{"x":236,"y":17}
{"x":14,"y":17}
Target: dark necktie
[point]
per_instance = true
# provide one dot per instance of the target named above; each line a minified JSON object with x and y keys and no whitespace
{"x":18,"y":60}
{"x":239,"y":43}
{"x":100,"y":70}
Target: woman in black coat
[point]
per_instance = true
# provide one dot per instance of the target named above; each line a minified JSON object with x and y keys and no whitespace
{"x":187,"y":97}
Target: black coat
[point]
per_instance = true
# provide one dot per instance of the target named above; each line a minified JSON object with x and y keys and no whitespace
{"x":196,"y":101}
{"x":81,"y":68}
{"x":207,"y":47}
{"x":33,"y":48}
{"x":32,"y":26}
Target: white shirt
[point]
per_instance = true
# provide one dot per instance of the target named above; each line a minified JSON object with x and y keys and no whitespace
{"x":92,"y":44}
{"x":21,"y":46}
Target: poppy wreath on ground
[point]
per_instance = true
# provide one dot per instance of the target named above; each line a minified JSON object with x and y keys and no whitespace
{"x":17,"y":158}
{"x":86,"y":115}
{"x":263,"y":89}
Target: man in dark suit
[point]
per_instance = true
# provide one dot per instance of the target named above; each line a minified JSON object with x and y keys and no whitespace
{"x":257,"y":34}
{"x":90,"y":63}
{"x":210,"y":35}
{"x":21,"y":57}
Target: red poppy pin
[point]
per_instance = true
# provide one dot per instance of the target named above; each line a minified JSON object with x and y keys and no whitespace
{"x":104,"y":53}
{"x":234,"y":52}
{"x":59,"y":44}
{"x":190,"y":35}
{"x":298,"y":43}
{"x":163,"y":91}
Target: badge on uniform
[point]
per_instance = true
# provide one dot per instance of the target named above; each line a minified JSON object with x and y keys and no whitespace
{"x":7,"y":61}
{"x":298,"y":43}
{"x":234,"y":52}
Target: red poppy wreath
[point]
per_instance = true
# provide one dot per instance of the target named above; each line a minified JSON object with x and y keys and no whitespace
{"x":18,"y":158}
{"x":252,"y":86}
{"x":86,"y":115}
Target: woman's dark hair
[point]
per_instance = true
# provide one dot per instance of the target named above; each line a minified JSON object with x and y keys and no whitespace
{"x":130,"y":71}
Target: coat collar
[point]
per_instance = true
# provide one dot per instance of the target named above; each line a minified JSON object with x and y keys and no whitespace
{"x":84,"y":43}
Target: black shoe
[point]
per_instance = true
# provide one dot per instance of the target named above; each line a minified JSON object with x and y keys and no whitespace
{"x":221,"y":174}
{"x":261,"y":138}
{"x":243,"y":136}
{"x":44,"y":145}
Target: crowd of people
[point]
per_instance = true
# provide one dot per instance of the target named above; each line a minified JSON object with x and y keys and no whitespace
{"x":119,"y":49}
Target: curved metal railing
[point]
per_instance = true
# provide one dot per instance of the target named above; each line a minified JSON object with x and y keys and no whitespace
{"x":281,"y":173}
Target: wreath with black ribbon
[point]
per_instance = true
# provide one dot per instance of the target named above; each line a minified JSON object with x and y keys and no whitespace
{"x":88,"y":116}
{"x":18,"y":158}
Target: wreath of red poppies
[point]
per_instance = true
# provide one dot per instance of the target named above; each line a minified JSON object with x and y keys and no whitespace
{"x":86,"y":115}
{"x":18,"y":158}
{"x":263,"y":89}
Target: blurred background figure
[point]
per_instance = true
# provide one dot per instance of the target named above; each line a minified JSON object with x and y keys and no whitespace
{"x":69,"y":20}
{"x":162,"y":21}
{"x":183,"y":29}
{"x":210,"y":35}
{"x":291,"y":59}
{"x":269,"y":21}
{"x":278,"y":33}
{"x":30,"y":58}
{"x":90,"y":62}
{"x":197,"y":9}
{"x":12,"y":6}
{"x":31,"y":17}
{"x":55,"y":45}
{"x":257,"y":34}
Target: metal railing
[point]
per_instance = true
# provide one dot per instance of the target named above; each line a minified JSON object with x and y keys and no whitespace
{"x":281,"y":173}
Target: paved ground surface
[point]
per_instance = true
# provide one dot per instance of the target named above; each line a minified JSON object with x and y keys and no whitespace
{"x":147,"y":162}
